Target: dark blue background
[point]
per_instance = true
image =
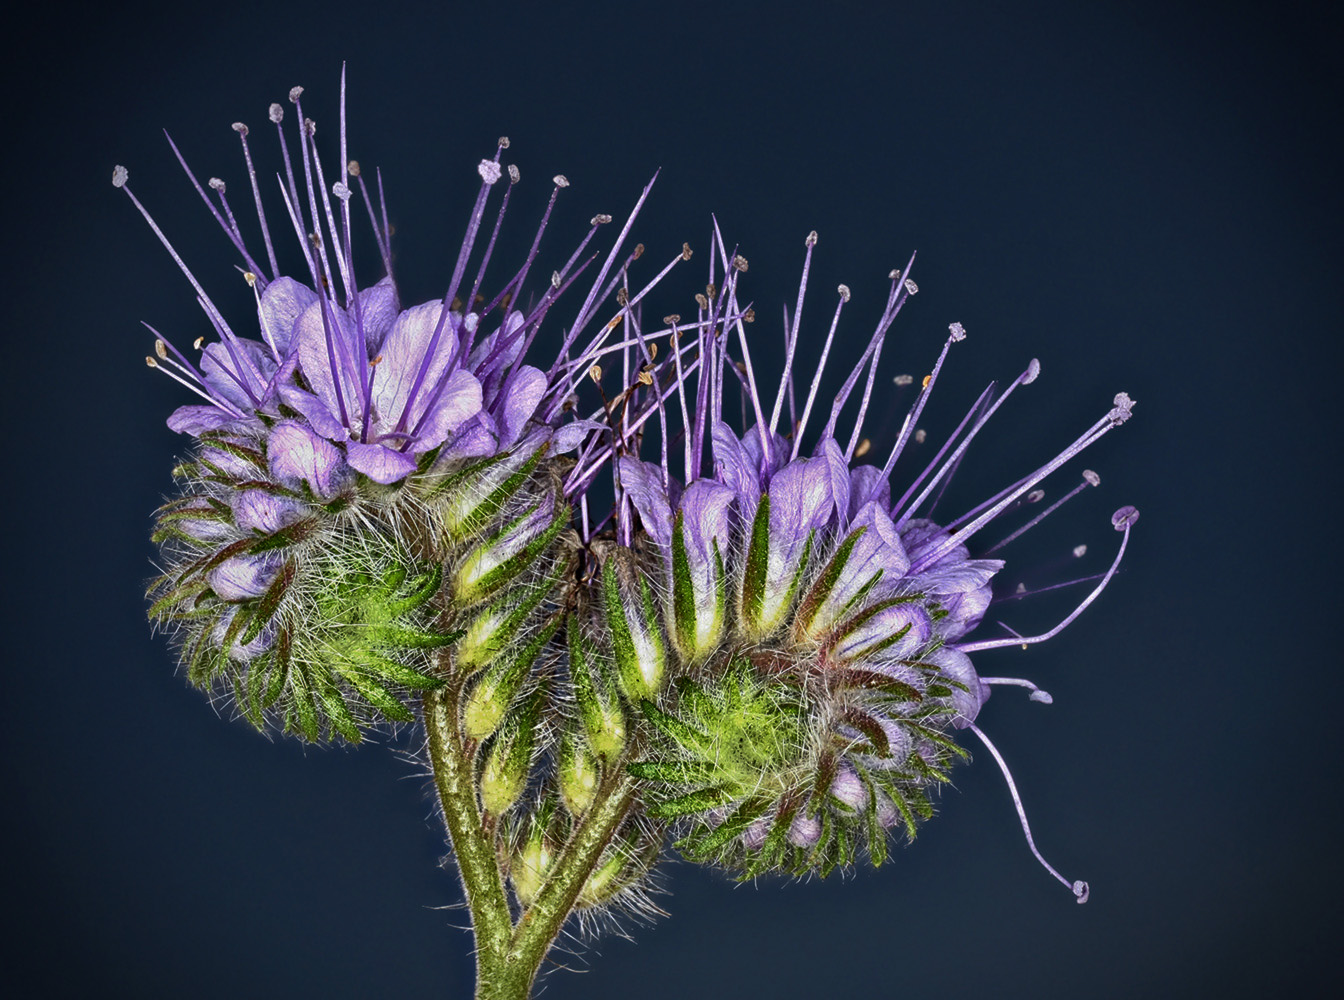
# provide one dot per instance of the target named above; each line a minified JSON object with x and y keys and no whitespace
{"x":1143,"y":195}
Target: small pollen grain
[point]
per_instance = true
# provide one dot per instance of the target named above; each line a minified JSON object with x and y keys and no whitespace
{"x":864,"y":446}
{"x":903,"y":379}
{"x":1021,"y":589}
{"x":119,"y":175}
{"x":927,"y":380}
{"x":352,"y":168}
{"x":1035,"y":496}
{"x":920,"y":435}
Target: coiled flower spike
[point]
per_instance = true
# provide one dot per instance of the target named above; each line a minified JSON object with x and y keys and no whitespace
{"x":819,"y":627}
{"x":415,"y":445}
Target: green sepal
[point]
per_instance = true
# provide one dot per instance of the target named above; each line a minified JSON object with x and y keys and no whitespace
{"x":683,"y":591}
{"x":700,"y":847}
{"x":511,"y":612}
{"x":870,"y":728}
{"x":599,"y":704}
{"x":504,"y":775}
{"x":631,"y":674}
{"x":858,"y":679}
{"x":492,"y":581}
{"x":499,"y":686}
{"x":268,"y":603}
{"x":758,"y":564}
{"x":489,"y":507}
{"x":674,"y":772}
{"x":680,"y":732}
{"x":377,"y":695}
{"x":302,"y":715}
{"x":820,"y":590}
{"x":337,"y":711}
{"x":698,"y":801}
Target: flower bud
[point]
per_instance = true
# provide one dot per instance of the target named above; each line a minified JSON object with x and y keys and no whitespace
{"x":599,"y":703}
{"x":505,"y":773}
{"x":636,"y":639}
{"x":499,"y":687}
{"x":508,"y":552}
{"x":577,"y":773}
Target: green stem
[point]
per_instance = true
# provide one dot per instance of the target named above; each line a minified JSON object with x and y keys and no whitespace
{"x":473,"y":850}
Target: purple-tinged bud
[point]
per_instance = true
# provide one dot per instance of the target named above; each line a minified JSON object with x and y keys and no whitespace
{"x":241,"y":577}
{"x":508,"y":552}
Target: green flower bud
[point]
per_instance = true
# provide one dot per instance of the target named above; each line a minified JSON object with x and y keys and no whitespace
{"x":499,"y":687}
{"x":636,"y":636}
{"x":600,"y":707}
{"x":504,"y":776}
{"x":511,"y":550}
{"x":578,"y":773}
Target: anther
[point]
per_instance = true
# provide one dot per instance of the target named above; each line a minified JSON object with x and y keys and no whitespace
{"x":150,"y":362}
{"x":911,"y":287}
{"x":863,"y":448}
{"x":844,"y":292}
{"x":595,"y":373}
{"x":341,"y":190}
{"x":294,"y":94}
{"x":638,"y":251}
{"x":894,"y":274}
{"x":1037,"y":694}
{"x":1079,"y":551}
{"x":276,"y":113}
{"x":653,"y":350}
{"x":927,"y":380}
{"x":903,"y":380}
{"x":216,"y":184}
{"x":119,"y":175}
{"x":622,"y":296}
{"x":352,"y":168}
{"x":514,"y":175}
{"x":811,"y":240}
{"x":309,"y":127}
{"x":560,"y":181}
{"x":1091,"y":477}
{"x":701,"y":301}
{"x":161,"y":349}
{"x":489,"y":171}
{"x":749,"y":316}
{"x":672,"y":319}
{"x":957,"y":331}
{"x":250,"y":278}
{"x":198,"y":342}
{"x":1123,"y":410}
{"x":1035,"y":496}
{"x":1125,"y":517}
{"x":740,"y":262}
{"x":685,"y":251}
{"x":1032,"y":373}
{"x":601,"y":219}
{"x":555,"y":279}
{"x":920,"y":435}
{"x":503,"y":142}
{"x":240,"y":128}
{"x":645,"y":377}
{"x":711,"y":292}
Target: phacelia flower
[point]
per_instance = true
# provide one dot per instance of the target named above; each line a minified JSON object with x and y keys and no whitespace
{"x":819,"y":629}
{"x":340,"y":428}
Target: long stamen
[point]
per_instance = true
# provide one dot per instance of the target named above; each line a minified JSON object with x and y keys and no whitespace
{"x":242,"y":131}
{"x":1090,"y":478}
{"x":816,"y":379}
{"x":1123,"y":519}
{"x":1079,"y":887}
{"x":230,"y":232}
{"x":956,"y":334}
{"x":791,"y":340}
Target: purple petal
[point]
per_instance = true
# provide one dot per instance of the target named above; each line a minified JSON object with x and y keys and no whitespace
{"x":921,"y":537}
{"x":643,"y":484}
{"x":377,"y":311}
{"x":196,"y":420}
{"x":779,"y":453}
{"x":957,"y":666}
{"x":297,"y":455}
{"x":403,"y":354}
{"x":482,"y":362}
{"x":523,"y":391}
{"x":257,"y":510}
{"x":704,"y":509}
{"x":282,"y":303}
{"x":838,"y":470}
{"x":459,"y":401}
{"x":800,"y":503}
{"x":315,"y":358}
{"x":319,"y":415}
{"x":379,"y":463}
{"x":964,"y":611}
{"x":569,"y":436}
{"x":244,"y":576}
{"x":474,"y":439}
{"x":733,"y":466}
{"x":959,"y":577}
{"x":867,"y":483}
{"x":882,"y":626}
{"x":249,"y":362}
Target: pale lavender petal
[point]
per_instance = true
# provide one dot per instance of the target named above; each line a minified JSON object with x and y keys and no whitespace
{"x":476,"y":438}
{"x":908,"y":618}
{"x":848,"y":787}
{"x":297,"y":455}
{"x":569,"y":436}
{"x":282,"y":303}
{"x":196,"y":420}
{"x":800,"y":503}
{"x":459,"y":401}
{"x":310,"y":341}
{"x":838,"y":470}
{"x":481,"y":361}
{"x":643,"y":484}
{"x":867,"y":483}
{"x":257,"y":510}
{"x":734,"y":468}
{"x":704,"y":510}
{"x":526,"y":386}
{"x":244,"y":576}
{"x":222,"y":373}
{"x":921,"y":537}
{"x":779,"y":453}
{"x":959,"y":577}
{"x":379,"y":463}
{"x":316,"y":410}
{"x":957,"y":666}
{"x":403,"y":354}
{"x":805,"y":830}
{"x":377,"y":311}
{"x":964,"y":611}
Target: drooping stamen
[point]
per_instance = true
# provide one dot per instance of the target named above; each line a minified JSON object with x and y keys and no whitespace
{"x":242,"y":131}
{"x":1090,"y":478}
{"x":1079,"y":887}
{"x":1037,"y":694}
{"x":231,"y":233}
{"x":1123,"y":519}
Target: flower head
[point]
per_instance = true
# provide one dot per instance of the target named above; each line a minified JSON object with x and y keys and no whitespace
{"x":804,"y":602}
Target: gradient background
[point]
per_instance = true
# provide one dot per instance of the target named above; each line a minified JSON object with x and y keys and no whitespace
{"x":1143,"y":195}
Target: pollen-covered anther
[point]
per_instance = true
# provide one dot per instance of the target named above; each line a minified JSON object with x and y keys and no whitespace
{"x":739,"y":263}
{"x":514,"y":175}
{"x":601,"y":219}
{"x":503,"y":142}
{"x":216,"y":185}
{"x":240,"y":128}
{"x":1123,"y":408}
{"x":911,"y":287}
{"x":957,"y":331}
{"x":844,"y":292}
{"x":1079,"y":551}
{"x":250,"y":278}
{"x":352,"y":168}
{"x":161,"y":349}
{"x":489,"y":170}
{"x":560,"y":181}
{"x":341,"y":190}
{"x":811,"y":240}
{"x":556,"y":281}
{"x":1091,"y":478}
{"x":1125,"y":517}
{"x":120,"y":175}
{"x":276,"y":113}
{"x":686,"y":251}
